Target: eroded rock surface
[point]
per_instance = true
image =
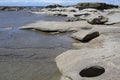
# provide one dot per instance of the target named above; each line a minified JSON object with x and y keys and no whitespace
{"x":113,"y":18}
{"x":98,"y":20}
{"x":96,"y":60}
{"x":53,"y":26}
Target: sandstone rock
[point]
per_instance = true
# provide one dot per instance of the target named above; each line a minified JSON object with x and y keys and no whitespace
{"x":85,"y":35}
{"x":98,"y":20}
{"x":90,"y":63}
{"x":113,"y":18}
{"x":53,"y":26}
{"x":94,"y":43}
{"x":88,"y":14}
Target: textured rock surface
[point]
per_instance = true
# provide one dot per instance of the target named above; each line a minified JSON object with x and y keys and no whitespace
{"x":56,"y":26}
{"x":114,"y":18}
{"x":100,"y":55}
{"x":85,"y":35}
{"x":98,"y":20}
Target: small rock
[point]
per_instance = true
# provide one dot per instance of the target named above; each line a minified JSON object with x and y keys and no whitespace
{"x":85,"y":36}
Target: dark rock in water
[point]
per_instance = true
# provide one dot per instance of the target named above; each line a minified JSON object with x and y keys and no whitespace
{"x":100,"y":6}
{"x":10,"y":8}
{"x":53,"y":6}
{"x":98,"y":20}
{"x":2,"y":8}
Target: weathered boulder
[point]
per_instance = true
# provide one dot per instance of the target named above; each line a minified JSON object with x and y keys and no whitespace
{"x":85,"y":35}
{"x":95,"y":5}
{"x":98,"y":20}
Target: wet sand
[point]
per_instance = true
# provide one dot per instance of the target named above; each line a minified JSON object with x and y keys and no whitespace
{"x":29,"y":55}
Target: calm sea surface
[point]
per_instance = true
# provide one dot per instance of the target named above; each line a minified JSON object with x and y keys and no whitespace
{"x":27,"y":54}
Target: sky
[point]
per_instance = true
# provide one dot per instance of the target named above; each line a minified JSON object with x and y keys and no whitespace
{"x":48,"y":2}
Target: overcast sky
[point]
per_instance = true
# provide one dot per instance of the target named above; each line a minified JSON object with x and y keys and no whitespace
{"x":47,"y":2}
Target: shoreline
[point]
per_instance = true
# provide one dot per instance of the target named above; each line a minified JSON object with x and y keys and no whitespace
{"x":29,"y":54}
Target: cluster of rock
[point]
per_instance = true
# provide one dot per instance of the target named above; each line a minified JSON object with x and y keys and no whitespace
{"x":86,"y":17}
{"x":97,"y":5}
{"x":89,"y":13}
{"x":92,"y":16}
{"x":53,"y":6}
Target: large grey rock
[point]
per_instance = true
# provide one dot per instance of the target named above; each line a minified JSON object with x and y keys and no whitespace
{"x":72,"y":62}
{"x":100,"y":63}
{"x":87,"y":35}
{"x":53,"y":26}
{"x":113,"y":18}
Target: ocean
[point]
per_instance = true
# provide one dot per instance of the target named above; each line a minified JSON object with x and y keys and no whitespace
{"x":28,"y":54}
